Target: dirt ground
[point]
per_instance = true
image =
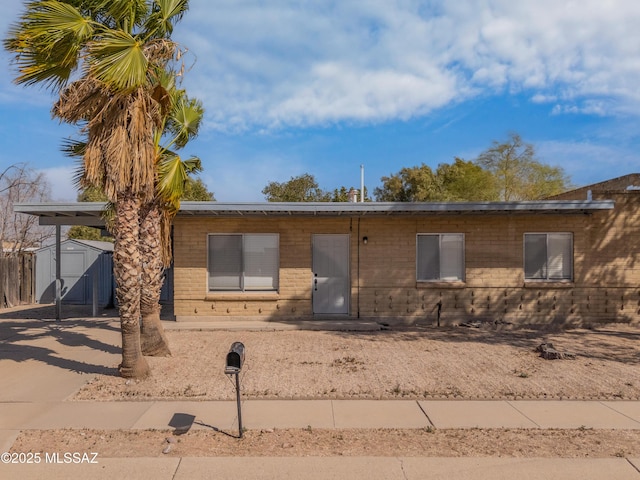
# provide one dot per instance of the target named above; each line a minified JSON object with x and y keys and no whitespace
{"x":461,"y":363}
{"x":580,"y":443}
{"x":455,"y":362}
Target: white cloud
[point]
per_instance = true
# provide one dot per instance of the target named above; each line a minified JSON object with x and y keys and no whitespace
{"x":339,"y":91}
{"x":284,"y":63}
{"x":541,"y":98}
{"x":279,"y":64}
{"x":594,"y":107}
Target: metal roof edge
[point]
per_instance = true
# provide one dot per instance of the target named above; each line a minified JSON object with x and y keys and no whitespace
{"x":216,"y":208}
{"x":69,"y":210}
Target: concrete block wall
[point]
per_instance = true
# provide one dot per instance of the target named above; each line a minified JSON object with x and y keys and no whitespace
{"x":605,"y":288}
{"x":192,"y":301}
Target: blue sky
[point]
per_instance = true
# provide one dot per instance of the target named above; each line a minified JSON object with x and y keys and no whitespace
{"x":321,"y":87}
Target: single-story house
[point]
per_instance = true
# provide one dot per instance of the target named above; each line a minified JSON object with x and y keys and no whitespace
{"x":570,"y":260}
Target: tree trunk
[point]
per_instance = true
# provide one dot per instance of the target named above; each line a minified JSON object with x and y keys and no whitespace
{"x":153,"y":341}
{"x":126,"y":269}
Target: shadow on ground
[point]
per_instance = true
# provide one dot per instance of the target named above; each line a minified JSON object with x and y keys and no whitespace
{"x":30,"y":334}
{"x":593,"y":343}
{"x":48,"y":312}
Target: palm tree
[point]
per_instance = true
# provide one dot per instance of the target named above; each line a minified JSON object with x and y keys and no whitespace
{"x":103,"y":58}
{"x":179,"y":126}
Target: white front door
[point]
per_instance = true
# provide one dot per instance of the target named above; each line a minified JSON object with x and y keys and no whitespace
{"x":331,"y":288}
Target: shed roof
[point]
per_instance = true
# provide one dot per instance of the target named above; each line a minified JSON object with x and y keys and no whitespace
{"x":93,"y":244}
{"x":90,"y":213}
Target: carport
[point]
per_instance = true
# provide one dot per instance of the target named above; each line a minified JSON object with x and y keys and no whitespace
{"x":68,"y":214}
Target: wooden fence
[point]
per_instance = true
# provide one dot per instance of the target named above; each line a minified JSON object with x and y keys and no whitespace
{"x":17,"y":279}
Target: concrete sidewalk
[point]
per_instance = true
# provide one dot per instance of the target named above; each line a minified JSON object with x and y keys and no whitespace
{"x":321,"y":414}
{"x":339,"y":468}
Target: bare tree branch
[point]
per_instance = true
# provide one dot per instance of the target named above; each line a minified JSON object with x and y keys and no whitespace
{"x":19,"y":183}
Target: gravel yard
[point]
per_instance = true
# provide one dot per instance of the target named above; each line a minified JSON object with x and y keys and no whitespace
{"x":453,"y":362}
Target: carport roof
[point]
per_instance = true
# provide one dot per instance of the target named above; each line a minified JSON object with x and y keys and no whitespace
{"x":90,"y":213}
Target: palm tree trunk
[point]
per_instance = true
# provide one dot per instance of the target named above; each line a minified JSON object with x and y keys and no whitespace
{"x":126,"y":269}
{"x":153,"y":340}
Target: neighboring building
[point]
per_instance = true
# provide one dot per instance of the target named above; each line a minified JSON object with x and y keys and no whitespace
{"x":571,"y":260}
{"x":12,"y":247}
{"x":566,"y":261}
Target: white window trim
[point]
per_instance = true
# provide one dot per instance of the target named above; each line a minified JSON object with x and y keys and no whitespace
{"x":243,"y":291}
{"x":547,"y":280}
{"x":464,"y":261}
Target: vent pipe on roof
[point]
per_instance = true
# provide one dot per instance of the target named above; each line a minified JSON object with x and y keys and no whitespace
{"x":589,"y":195}
{"x":362,"y":183}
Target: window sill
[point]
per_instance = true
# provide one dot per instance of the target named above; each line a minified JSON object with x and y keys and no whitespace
{"x":242,"y":296}
{"x":549,"y":284}
{"x":439,"y":284}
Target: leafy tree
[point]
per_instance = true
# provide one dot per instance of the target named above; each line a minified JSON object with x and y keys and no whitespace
{"x":196,"y":190}
{"x":544,"y":181}
{"x":303,"y":188}
{"x":19,"y":183}
{"x":82,"y":232}
{"x":92,"y":194}
{"x":507,"y":171}
{"x":518,"y":174}
{"x":464,"y":181}
{"x":410,"y":184}
{"x":342,"y":194}
{"x":105,"y":60}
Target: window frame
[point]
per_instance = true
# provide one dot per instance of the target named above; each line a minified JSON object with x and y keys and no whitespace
{"x":547,"y":277}
{"x":440,"y":279}
{"x":243,"y":273}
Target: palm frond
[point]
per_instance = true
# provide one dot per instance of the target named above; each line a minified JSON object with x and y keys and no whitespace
{"x":166,"y":13}
{"x":172,"y":175}
{"x":192,"y":165}
{"x":127,"y":15}
{"x":109,"y":217}
{"x":74,"y":148}
{"x":48,"y":41}
{"x":118,"y":60}
{"x":81,"y":101}
{"x":79,"y":175}
{"x":185,"y":120}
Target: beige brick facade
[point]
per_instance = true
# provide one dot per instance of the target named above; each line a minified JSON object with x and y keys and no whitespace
{"x":605,"y":286}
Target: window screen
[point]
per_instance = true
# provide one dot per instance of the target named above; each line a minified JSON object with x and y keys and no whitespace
{"x":260,"y":262}
{"x":440,"y":257}
{"x":548,"y":256}
{"x":241,"y":262}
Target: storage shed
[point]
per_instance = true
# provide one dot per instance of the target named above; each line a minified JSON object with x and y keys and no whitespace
{"x":85,"y":265}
